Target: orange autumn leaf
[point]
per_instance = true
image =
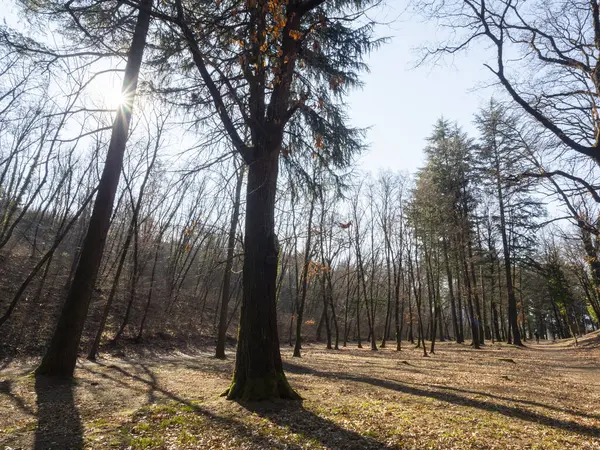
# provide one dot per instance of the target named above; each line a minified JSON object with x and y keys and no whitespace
{"x":295,"y":35}
{"x":319,"y":142}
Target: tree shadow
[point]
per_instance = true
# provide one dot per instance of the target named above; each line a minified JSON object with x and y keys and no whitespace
{"x":6,"y":389}
{"x":509,"y":411}
{"x":293,"y":416}
{"x":59,"y":425}
{"x":590,"y":368}
{"x":517,"y":400}
{"x":152,"y":383}
{"x":221,"y":422}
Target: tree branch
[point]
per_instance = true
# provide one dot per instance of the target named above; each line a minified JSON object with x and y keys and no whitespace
{"x":245,"y":151}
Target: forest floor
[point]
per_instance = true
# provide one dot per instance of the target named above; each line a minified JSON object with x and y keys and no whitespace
{"x":543,"y":396}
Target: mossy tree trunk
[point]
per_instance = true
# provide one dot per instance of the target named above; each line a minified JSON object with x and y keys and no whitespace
{"x":258,"y":371}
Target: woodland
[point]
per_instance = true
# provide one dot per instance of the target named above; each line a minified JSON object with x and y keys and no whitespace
{"x":195,"y":258}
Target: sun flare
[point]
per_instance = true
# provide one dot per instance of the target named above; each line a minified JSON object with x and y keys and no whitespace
{"x":113,"y":97}
{"x":107,"y":94}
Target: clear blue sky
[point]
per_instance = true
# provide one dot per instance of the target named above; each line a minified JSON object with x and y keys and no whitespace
{"x":401,"y":103}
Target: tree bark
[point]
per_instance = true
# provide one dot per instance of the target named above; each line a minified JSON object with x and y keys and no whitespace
{"x":480,"y":321}
{"x":258,"y":373}
{"x":457,"y":332}
{"x":512,"y":301}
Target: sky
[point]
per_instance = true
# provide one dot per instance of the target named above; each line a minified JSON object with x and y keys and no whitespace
{"x":401,"y":102}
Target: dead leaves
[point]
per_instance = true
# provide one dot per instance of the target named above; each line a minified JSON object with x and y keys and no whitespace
{"x":357,"y":399}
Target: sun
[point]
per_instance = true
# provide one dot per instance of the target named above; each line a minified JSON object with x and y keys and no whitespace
{"x":113,"y":97}
{"x":106,"y":93}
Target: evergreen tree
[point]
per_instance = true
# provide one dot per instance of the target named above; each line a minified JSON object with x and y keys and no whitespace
{"x":499,"y":157}
{"x":444,"y":205}
{"x":278,"y":69}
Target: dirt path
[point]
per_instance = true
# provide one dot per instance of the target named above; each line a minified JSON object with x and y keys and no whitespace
{"x":545,"y":396}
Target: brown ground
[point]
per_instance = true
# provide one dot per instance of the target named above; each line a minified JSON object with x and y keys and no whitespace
{"x":545,"y":396}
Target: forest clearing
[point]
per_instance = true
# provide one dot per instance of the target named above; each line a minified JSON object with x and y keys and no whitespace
{"x":500,"y":397}
{"x":255,"y":224}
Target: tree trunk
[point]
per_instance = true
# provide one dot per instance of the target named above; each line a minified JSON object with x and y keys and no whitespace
{"x":347,"y":303}
{"x":398,"y":315}
{"x":512,"y":301}
{"x":332,"y":305}
{"x":457,"y":332}
{"x":410,"y":333}
{"x":362,"y":282}
{"x":480,"y":322}
{"x":150,"y":290}
{"x":389,"y":296}
{"x":61,"y":356}
{"x":325,"y":308}
{"x":133,"y":282}
{"x":304,"y":284}
{"x":319,"y":331}
{"x":258,"y":373}
{"x":357,"y":292}
{"x":113,"y":291}
{"x":462,"y":258}
{"x":416,"y":280}
{"x":222,"y":332}
{"x":493,"y":309}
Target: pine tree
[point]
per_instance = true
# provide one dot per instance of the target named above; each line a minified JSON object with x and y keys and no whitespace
{"x":499,"y":157}
{"x":278,"y":69}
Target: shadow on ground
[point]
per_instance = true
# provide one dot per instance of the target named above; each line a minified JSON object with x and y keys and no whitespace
{"x":290,"y":415}
{"x":506,"y":410}
{"x":59,"y":425}
{"x":147,"y":387}
{"x":293,"y":416}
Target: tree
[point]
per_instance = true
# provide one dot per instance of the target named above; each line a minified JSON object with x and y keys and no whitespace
{"x":561,"y":92}
{"x":284,"y":61}
{"x":358,"y":224}
{"x":499,"y":156}
{"x":556,"y":81}
{"x":235,"y":213}
{"x":443,"y":207}
{"x":306,"y":273}
{"x":61,"y":356}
